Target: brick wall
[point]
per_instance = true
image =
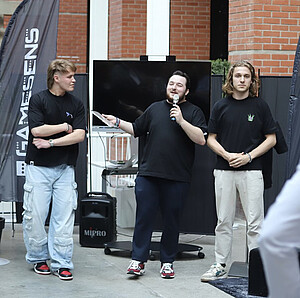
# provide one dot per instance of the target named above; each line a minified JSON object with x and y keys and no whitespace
{"x":127,"y":29}
{"x":115,"y":29}
{"x":266,"y":33}
{"x":6,"y":19}
{"x":190,"y":29}
{"x":189,"y":34}
{"x":72,"y":32}
{"x":262,"y":31}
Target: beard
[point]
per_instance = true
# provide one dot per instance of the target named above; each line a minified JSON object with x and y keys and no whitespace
{"x":170,"y":97}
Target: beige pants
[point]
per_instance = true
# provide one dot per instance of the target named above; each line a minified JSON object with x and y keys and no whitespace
{"x":249,"y":186}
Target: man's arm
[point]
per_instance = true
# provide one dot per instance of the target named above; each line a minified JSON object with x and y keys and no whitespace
{"x":246,"y":157}
{"x":216,"y":147}
{"x":74,"y":137}
{"x":124,"y":125}
{"x":264,"y":147}
{"x":47,"y":130}
{"x":237,"y":160}
{"x":193,"y":132}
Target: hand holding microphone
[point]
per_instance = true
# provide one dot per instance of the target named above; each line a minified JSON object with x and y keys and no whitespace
{"x":175,"y":101}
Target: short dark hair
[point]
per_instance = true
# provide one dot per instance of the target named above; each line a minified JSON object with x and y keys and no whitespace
{"x":185,"y":75}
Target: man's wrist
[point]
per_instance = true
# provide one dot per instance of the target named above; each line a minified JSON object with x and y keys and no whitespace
{"x":250,"y":158}
{"x":118,"y":122}
{"x":67,"y":127}
{"x":51,"y":142}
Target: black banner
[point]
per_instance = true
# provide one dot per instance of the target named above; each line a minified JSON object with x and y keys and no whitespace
{"x":28,"y":46}
{"x":293,"y":138}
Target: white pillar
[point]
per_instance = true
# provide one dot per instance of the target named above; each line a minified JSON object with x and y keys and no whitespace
{"x":98,"y":37}
{"x":158,"y":30}
{"x":98,"y":50}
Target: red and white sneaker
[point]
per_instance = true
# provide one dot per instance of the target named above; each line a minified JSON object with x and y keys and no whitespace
{"x":136,"y":268}
{"x":63,"y":274}
{"x":41,"y":268}
{"x":167,"y":270}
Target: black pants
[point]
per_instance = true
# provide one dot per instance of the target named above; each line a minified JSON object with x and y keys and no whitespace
{"x":169,"y":195}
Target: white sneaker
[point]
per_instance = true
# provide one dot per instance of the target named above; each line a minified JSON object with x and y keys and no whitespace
{"x":216,"y":271}
{"x":136,"y":268}
{"x":167,"y":270}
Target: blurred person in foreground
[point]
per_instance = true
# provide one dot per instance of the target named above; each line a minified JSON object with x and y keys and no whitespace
{"x":279,"y":242}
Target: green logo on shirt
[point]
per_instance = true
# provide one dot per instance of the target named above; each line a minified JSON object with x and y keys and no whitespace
{"x":250,"y":117}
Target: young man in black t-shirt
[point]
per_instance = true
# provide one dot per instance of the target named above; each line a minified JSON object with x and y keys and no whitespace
{"x":56,"y":126}
{"x":164,"y":170}
{"x":241,"y":129}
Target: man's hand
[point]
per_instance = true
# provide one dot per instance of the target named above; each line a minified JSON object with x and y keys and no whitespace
{"x":41,"y":143}
{"x":176,"y":113}
{"x":237,"y":160}
{"x":112,"y":119}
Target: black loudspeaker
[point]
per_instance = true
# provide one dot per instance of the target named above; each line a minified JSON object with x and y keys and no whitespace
{"x":257,"y":285}
{"x":2,"y":224}
{"x":97,"y":219}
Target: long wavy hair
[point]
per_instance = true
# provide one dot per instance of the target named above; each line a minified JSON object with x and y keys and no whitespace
{"x":254,"y":86}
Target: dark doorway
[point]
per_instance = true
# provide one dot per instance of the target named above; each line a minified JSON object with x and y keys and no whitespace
{"x":219,"y":29}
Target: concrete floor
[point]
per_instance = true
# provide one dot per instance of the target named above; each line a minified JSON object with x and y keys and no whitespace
{"x":99,"y":275}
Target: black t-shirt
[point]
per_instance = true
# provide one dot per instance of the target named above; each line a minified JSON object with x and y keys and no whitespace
{"x":168,"y":152}
{"x":241,"y":125}
{"x":46,"y":108}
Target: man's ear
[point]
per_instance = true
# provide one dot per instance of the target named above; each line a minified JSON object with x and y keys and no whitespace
{"x":56,"y":77}
{"x":187,"y":92}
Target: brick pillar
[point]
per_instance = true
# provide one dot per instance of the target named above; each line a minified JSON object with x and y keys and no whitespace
{"x":264,"y":32}
{"x":190,"y":29}
{"x":127,"y":28}
{"x":72,"y":32}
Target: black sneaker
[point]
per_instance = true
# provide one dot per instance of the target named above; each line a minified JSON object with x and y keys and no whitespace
{"x":63,"y":274}
{"x":41,"y":268}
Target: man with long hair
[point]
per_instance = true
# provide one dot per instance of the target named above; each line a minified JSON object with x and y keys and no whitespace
{"x":56,"y":126}
{"x":241,"y":129}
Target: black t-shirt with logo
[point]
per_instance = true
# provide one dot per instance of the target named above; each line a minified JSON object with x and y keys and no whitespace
{"x":46,"y":108}
{"x":168,"y":152}
{"x":241,"y":125}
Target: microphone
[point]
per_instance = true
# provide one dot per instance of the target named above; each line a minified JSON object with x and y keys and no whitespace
{"x":175,"y":101}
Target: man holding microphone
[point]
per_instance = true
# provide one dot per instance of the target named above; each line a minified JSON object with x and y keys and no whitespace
{"x":165,"y":169}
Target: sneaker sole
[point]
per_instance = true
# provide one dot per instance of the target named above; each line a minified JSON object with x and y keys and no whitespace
{"x":135,"y":273}
{"x":207,"y":279}
{"x":41,"y":273}
{"x":167,"y":276}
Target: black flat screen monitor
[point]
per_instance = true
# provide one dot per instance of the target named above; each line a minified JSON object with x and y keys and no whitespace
{"x":126,"y":88}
